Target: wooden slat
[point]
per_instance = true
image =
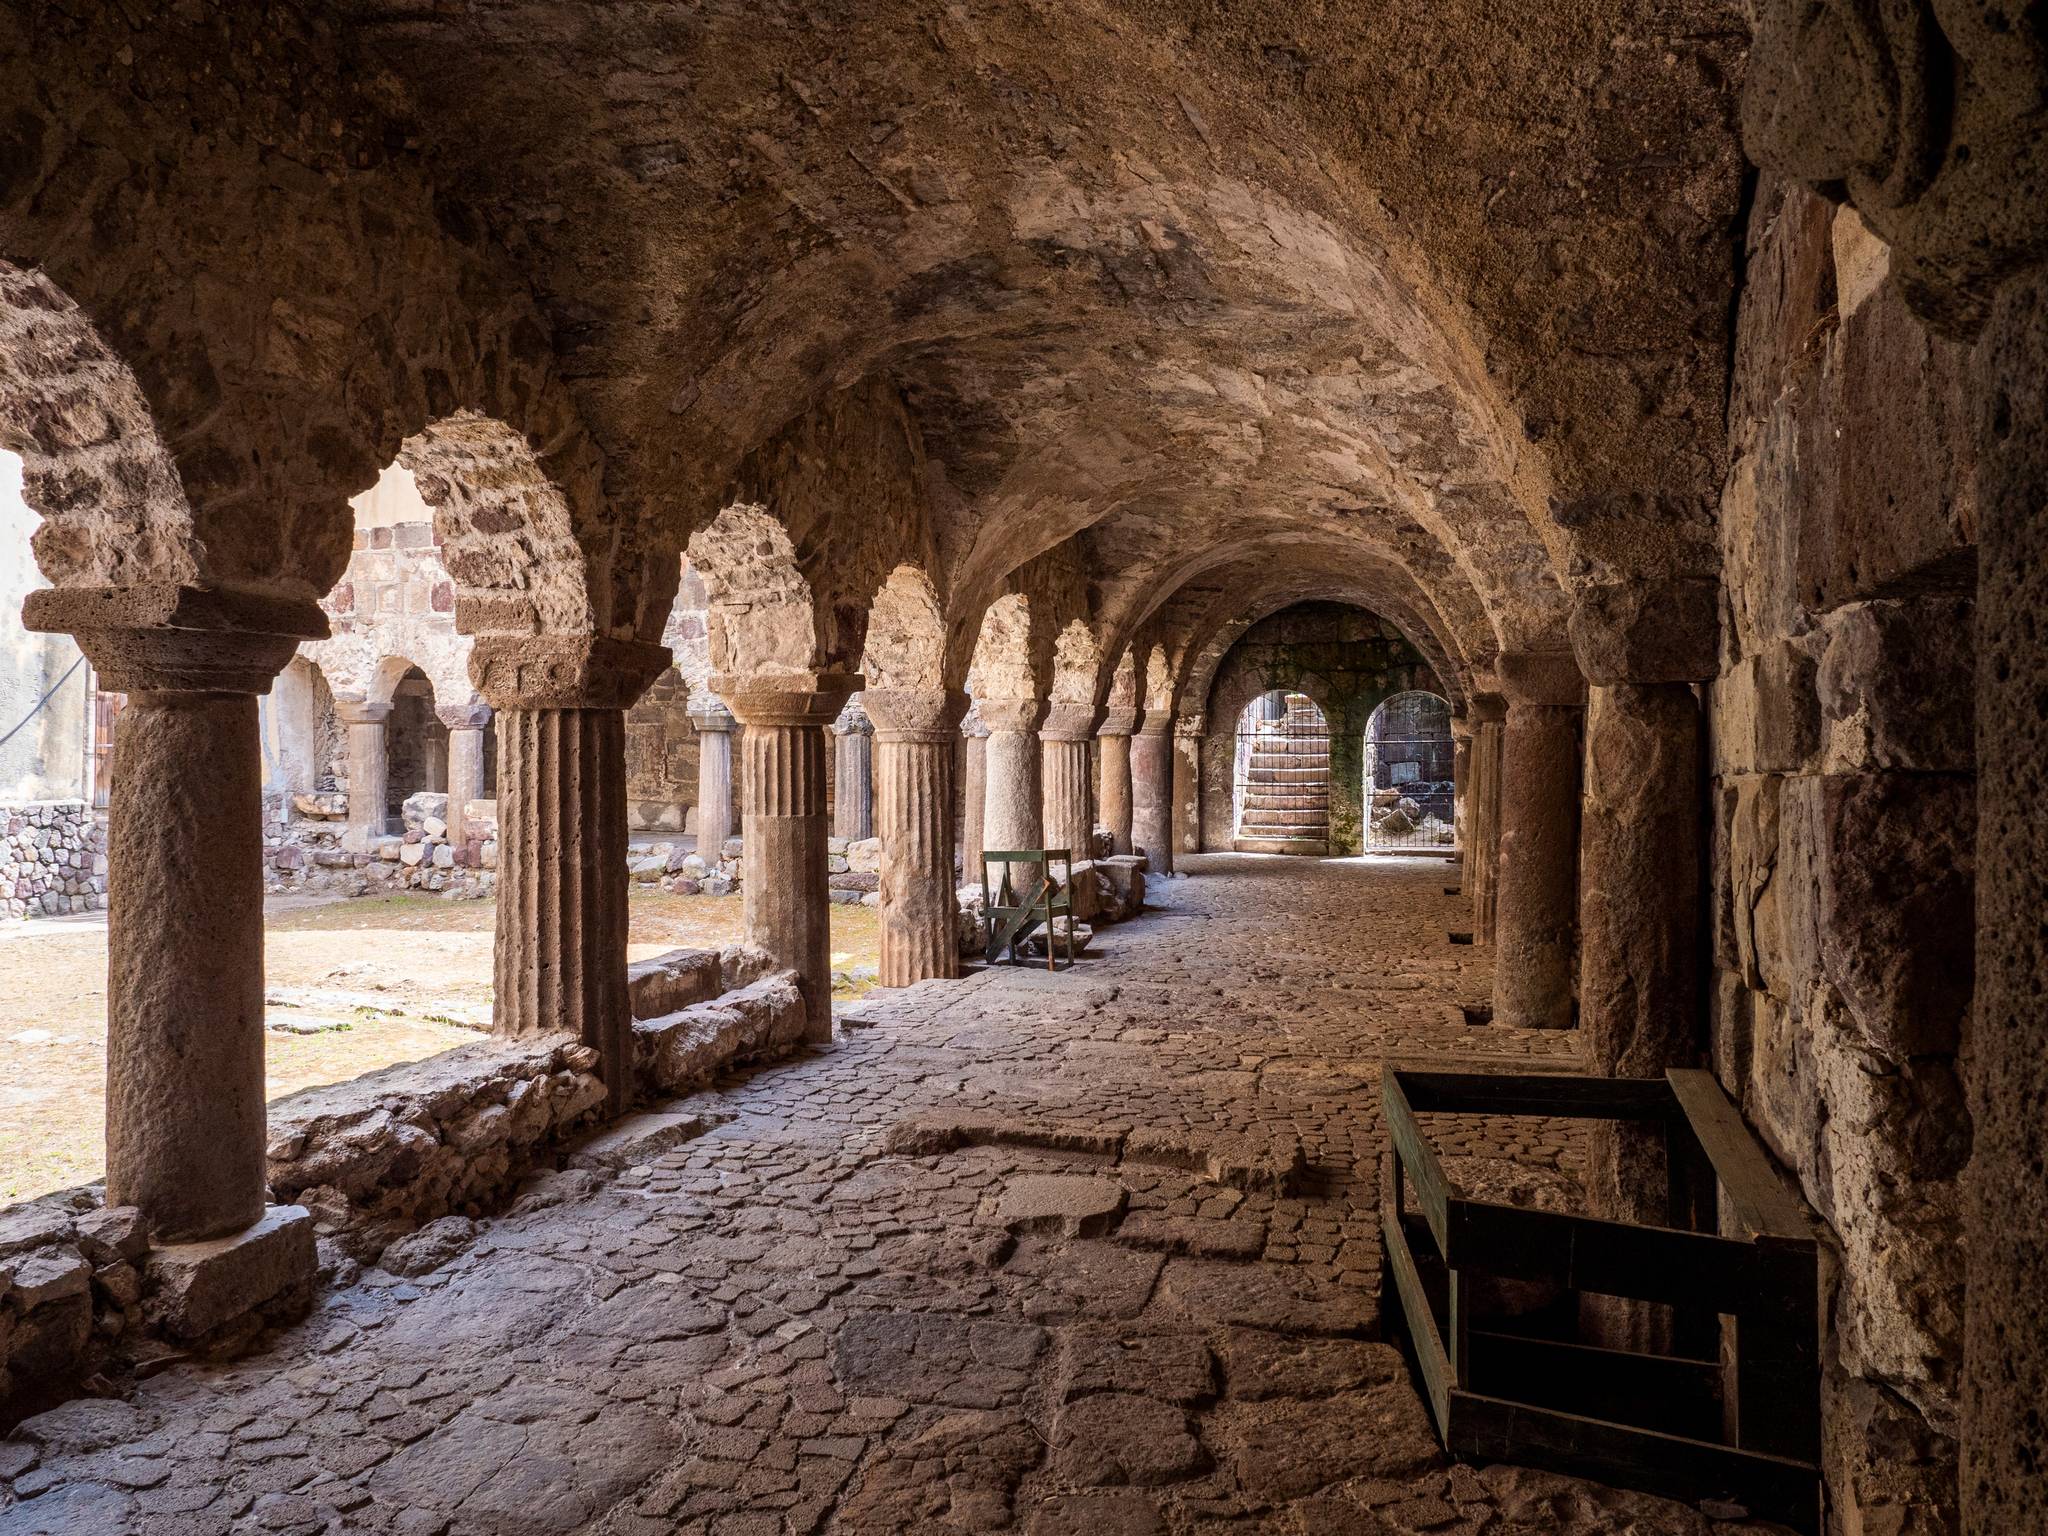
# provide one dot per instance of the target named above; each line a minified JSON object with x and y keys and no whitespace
{"x":1613,"y":1258}
{"x":1419,"y":1319}
{"x":1776,"y":1488}
{"x":1681,"y":1397}
{"x":1432,"y":1188}
{"x":1764,"y":1206}
{"x":1525,"y":1093}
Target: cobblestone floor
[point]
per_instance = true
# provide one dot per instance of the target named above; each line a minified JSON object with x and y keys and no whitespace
{"x":1080,"y":1255}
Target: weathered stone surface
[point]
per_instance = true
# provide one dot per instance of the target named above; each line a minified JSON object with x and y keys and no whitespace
{"x":196,"y":1288}
{"x":1114,"y":1438}
{"x":1057,"y":1203}
{"x":673,"y":981}
{"x":684,"y":1050}
{"x":1173,"y":1368}
{"x":1286,"y":1448}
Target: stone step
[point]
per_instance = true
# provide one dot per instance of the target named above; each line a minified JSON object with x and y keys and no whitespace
{"x":1292,"y":805}
{"x":1316,"y":846}
{"x":1279,"y":781}
{"x":1253,"y":818}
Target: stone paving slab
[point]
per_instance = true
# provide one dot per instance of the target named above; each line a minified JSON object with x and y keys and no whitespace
{"x":807,"y":1318}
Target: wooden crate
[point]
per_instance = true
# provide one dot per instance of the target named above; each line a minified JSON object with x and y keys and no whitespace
{"x":1741,"y":1427}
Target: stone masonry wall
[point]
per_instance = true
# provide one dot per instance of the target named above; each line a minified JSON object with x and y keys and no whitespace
{"x":1344,"y":658}
{"x":1844,"y":822}
{"x":53,"y":859}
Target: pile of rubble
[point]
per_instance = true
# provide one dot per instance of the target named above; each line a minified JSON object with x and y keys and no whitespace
{"x":53,"y":859}
{"x":1399,"y":816}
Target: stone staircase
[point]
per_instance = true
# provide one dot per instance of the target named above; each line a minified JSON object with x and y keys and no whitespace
{"x":1287,"y":784}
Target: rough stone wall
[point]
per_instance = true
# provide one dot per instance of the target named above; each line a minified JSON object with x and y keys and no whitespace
{"x":303,"y":849}
{"x":53,"y":859}
{"x":1344,"y":658}
{"x":1844,"y":821}
{"x":661,"y":758}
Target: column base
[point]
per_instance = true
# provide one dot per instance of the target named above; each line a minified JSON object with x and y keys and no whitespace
{"x":199,"y":1290}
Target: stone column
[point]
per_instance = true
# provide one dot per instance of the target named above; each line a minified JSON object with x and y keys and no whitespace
{"x":369,"y":771}
{"x":1461,"y":781}
{"x":1535,"y":919}
{"x":853,"y":809}
{"x":1152,"y":790}
{"x":185,"y":1089}
{"x":1640,"y":1002}
{"x":714,"y":780}
{"x":1069,"y":815}
{"x":465,"y":724}
{"x":1012,"y":793}
{"x":561,"y":704}
{"x":916,"y":737}
{"x":1115,"y":735}
{"x":1482,"y":863}
{"x":783,"y":826}
{"x":974,"y":794}
{"x":1187,"y":783}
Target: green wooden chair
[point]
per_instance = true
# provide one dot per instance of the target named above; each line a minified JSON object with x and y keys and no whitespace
{"x":1015,"y":914}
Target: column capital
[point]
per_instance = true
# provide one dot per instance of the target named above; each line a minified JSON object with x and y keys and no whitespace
{"x":1190,"y":725}
{"x":464,"y":717}
{"x":1118,"y":722}
{"x":1461,"y":728}
{"x":853,"y":719}
{"x":165,"y":638}
{"x":564,"y":671}
{"x":905,"y":714}
{"x":716,"y":719}
{"x":1067,"y":720}
{"x":1487,"y":708}
{"x":1011,"y":714}
{"x":1155,"y":722}
{"x":362,"y":711}
{"x":1540,"y":677}
{"x":800,"y":698}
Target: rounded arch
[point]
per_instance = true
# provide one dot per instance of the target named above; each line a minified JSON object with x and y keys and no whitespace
{"x":1410,"y":781}
{"x":1004,"y":664}
{"x":761,"y":621}
{"x":1076,"y":665}
{"x":906,"y":635}
{"x":113,"y":506}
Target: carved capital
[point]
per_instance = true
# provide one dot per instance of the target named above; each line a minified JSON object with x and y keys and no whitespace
{"x":1190,"y":727}
{"x":1118,"y":722}
{"x":903,"y":714}
{"x":1927,"y":115}
{"x":564,"y":671}
{"x":1540,"y":677}
{"x":1011,"y":714}
{"x":799,"y":698}
{"x":1069,"y":721}
{"x":715,"y":719}
{"x":162,"y":638}
{"x":853,"y":719}
{"x":1488,"y":709}
{"x":362,"y":711}
{"x":464,"y":717}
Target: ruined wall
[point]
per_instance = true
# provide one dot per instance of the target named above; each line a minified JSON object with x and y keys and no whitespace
{"x":1346,"y":659}
{"x":1842,"y":757}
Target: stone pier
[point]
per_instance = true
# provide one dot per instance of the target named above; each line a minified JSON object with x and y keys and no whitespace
{"x":916,"y":737}
{"x":1012,"y":793}
{"x":1187,"y":783}
{"x":973,"y":794}
{"x":1482,"y":855}
{"x":784,"y":829}
{"x":466,"y":724}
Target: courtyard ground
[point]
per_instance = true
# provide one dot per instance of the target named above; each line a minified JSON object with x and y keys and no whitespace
{"x":1082,"y":1254}
{"x":352,"y":985}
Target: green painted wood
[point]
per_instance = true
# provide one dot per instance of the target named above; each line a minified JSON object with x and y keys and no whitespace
{"x":1762,"y":1204}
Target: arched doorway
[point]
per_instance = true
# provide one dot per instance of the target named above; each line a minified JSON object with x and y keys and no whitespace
{"x":416,"y":747}
{"x":1410,"y":788}
{"x":1281,"y":784}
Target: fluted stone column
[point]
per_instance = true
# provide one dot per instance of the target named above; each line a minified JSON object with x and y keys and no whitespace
{"x":1187,"y":783}
{"x":1115,"y":735}
{"x":1069,"y":814}
{"x":974,"y":793}
{"x":916,"y":737}
{"x":185,"y":1089}
{"x":1152,"y":791}
{"x":466,"y":723}
{"x":1536,"y":912}
{"x":783,"y":827}
{"x":1482,"y":862}
{"x":853,"y":809}
{"x":369,"y":771}
{"x":714,"y":780}
{"x":561,"y":704}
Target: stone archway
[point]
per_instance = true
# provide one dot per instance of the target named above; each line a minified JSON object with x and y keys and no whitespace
{"x":1280,"y":775}
{"x":1410,"y":782}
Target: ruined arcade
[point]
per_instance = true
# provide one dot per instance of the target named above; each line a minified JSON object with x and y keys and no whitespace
{"x":1500,"y":548}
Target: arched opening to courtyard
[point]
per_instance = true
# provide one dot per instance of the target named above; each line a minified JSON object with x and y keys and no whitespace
{"x":1280,"y":776}
{"x":1411,"y":786}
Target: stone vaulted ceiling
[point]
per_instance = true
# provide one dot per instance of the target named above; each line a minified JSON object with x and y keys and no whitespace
{"x":1429,"y":300}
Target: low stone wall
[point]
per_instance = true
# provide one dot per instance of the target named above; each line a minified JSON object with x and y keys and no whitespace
{"x":305,"y":849}
{"x":53,"y":859}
